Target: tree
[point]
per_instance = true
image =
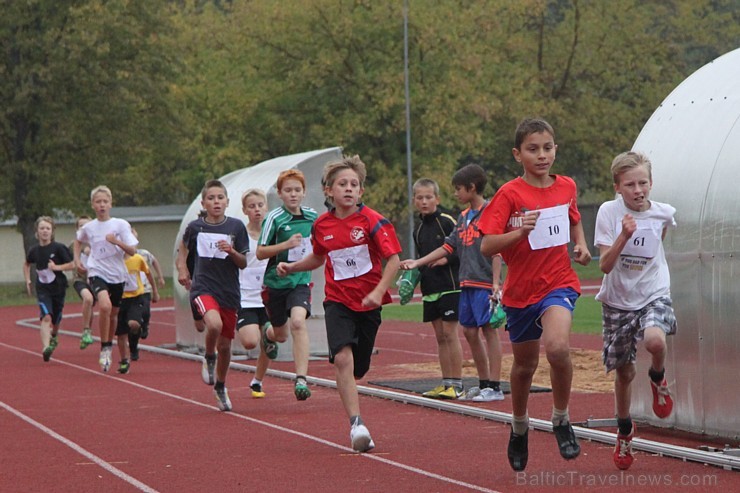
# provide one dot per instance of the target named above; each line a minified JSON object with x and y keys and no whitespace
{"x":286,"y":77}
{"x":84,"y":88}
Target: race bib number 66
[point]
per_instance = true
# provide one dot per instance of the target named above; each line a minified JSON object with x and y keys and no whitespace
{"x":350,"y":262}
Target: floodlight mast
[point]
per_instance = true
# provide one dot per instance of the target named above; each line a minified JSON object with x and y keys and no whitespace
{"x":409,"y":174}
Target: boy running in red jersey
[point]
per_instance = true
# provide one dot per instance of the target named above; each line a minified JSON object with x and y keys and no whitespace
{"x":355,"y":239}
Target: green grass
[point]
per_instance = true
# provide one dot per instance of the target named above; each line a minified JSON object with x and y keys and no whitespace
{"x":14,"y":294}
{"x":591,"y":271}
{"x":586,"y":317}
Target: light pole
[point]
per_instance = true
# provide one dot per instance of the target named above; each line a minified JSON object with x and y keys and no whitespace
{"x":409,"y":175}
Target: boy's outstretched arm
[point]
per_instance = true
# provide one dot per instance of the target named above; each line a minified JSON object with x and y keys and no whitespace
{"x":309,"y":262}
{"x":375,"y":297}
{"x":430,"y":257}
{"x":581,"y":253}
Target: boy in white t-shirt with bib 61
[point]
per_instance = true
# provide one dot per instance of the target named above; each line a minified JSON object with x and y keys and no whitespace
{"x":635,"y":292}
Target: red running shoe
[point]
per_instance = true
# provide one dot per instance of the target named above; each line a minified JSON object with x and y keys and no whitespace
{"x":662,"y":401}
{"x":623,"y":457}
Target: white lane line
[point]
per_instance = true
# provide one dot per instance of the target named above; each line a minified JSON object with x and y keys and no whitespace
{"x":80,"y":450}
{"x":389,"y":462}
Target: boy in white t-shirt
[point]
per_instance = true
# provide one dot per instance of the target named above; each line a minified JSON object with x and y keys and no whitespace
{"x":635,"y":292}
{"x":110,"y":239}
{"x":252,"y":318}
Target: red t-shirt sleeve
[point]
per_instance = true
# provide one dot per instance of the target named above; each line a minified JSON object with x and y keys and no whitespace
{"x":385,"y":238}
{"x":494,"y":217}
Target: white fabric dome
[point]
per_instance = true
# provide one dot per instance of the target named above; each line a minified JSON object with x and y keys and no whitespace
{"x":264,"y":176}
{"x":693,"y":141}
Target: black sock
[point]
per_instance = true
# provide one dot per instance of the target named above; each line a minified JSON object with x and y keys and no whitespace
{"x":219,"y":385}
{"x":106,"y":344}
{"x":656,"y":376}
{"x":484,"y":384}
{"x":211,"y":357}
{"x":495,"y":385}
{"x":355,"y":420}
{"x":624,"y":425}
{"x":133,"y":341}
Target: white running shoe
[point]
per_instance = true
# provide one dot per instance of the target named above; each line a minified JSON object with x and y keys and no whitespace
{"x":222,"y":399}
{"x":489,"y":395}
{"x":360,"y":437}
{"x":470,"y":394}
{"x":105,"y":358}
{"x":206,"y":371}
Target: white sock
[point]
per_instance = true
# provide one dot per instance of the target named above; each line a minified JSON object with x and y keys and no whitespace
{"x":520,"y":424}
{"x":560,"y":417}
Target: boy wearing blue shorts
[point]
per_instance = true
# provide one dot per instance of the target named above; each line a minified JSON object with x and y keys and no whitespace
{"x":636,"y":290}
{"x":50,"y":258}
{"x":530,"y":222}
{"x":477,"y":276}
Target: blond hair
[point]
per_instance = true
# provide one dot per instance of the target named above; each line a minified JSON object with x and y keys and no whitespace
{"x":253,"y":191}
{"x":101,"y":189}
{"x":630,"y":160}
{"x":426,"y":182}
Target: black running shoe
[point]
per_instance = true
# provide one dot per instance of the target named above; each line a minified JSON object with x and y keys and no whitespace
{"x":134,"y":355}
{"x":567,"y":442}
{"x":518,"y":450}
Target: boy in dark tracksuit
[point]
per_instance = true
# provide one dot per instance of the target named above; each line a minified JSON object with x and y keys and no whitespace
{"x":478,"y":274}
{"x":440,"y":287}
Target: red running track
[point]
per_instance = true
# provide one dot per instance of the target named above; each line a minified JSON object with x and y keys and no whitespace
{"x":66,"y":426}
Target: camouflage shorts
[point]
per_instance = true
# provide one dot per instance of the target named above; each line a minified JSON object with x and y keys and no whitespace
{"x":623,"y":329}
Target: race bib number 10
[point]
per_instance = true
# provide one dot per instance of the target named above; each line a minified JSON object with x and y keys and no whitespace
{"x":552,"y":228}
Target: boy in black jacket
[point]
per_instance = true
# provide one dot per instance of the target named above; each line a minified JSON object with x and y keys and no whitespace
{"x":440,"y":287}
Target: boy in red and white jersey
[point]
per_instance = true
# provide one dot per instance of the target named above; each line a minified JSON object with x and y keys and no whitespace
{"x":356,"y":240}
